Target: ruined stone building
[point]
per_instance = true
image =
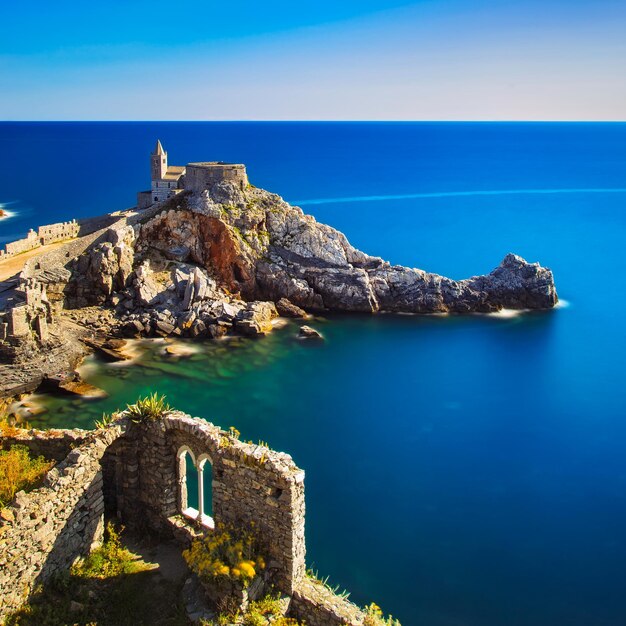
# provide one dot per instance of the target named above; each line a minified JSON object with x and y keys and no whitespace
{"x":168,"y":180}
{"x":137,"y":472}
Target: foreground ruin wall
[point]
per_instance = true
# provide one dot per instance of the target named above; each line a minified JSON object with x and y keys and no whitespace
{"x":54,"y":444}
{"x":43,"y":532}
{"x":133,"y":471}
{"x":251,"y":484}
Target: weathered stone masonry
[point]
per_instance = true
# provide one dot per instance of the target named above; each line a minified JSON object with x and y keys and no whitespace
{"x":250,"y":484}
{"x":132,"y":471}
{"x":50,"y":233}
{"x":44,"y":531}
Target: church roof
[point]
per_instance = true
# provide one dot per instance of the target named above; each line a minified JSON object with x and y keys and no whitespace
{"x":174,"y":172}
{"x":158,"y":148}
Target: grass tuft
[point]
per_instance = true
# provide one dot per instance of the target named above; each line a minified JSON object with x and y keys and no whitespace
{"x":148,"y":409}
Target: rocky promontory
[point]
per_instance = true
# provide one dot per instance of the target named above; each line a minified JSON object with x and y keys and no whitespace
{"x":255,"y":244}
{"x":229,"y":260}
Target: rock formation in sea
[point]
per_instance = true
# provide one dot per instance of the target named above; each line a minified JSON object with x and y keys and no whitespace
{"x":224,"y":260}
{"x":254,"y":243}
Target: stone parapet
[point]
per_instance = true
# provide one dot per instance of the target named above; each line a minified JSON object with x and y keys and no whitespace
{"x":53,"y":445}
{"x":318,"y":605}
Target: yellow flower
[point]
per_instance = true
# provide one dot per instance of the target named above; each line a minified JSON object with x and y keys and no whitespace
{"x":247,"y":568}
{"x":260,"y":562}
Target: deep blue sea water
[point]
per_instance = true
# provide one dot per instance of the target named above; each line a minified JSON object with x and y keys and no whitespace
{"x":461,"y":471}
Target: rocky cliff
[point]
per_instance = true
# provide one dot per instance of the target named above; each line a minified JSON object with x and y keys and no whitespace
{"x":257,"y":246}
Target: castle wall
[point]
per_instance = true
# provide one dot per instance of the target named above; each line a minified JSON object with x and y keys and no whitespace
{"x":22,"y":245}
{"x":45,"y":235}
{"x":201,"y":176}
{"x":144,"y":199}
{"x":43,"y":532}
{"x":58,"y":232}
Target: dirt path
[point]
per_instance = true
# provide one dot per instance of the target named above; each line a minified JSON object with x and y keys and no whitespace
{"x":10,"y":267}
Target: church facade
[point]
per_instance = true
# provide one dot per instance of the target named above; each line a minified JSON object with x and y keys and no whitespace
{"x":169,"y":180}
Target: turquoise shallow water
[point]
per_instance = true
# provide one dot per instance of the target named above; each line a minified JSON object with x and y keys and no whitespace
{"x":460,"y":470}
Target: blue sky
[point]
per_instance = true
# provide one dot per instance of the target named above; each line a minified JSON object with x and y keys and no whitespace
{"x":365,"y":59}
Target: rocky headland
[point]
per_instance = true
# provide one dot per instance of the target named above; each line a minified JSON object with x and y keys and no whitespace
{"x":221,"y":261}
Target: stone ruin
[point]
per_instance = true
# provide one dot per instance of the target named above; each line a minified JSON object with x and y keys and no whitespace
{"x":136,"y":472}
{"x":44,"y":235}
{"x":29,"y":313}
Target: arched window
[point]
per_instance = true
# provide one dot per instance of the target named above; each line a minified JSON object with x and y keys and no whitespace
{"x":205,"y":489}
{"x":195,"y":487}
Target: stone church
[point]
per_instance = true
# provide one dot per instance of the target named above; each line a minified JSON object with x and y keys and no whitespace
{"x":169,"y":180}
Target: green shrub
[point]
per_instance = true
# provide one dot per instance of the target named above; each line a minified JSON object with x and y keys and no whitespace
{"x":110,"y":559}
{"x":226,"y":552}
{"x":148,"y":409}
{"x":375,"y":617}
{"x":19,"y":471}
{"x":106,"y":421}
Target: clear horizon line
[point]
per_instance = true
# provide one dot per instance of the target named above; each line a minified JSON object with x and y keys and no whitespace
{"x":320,"y":121}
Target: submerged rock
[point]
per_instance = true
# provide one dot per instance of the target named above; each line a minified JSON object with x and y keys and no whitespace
{"x":81,"y":388}
{"x":306,"y":332}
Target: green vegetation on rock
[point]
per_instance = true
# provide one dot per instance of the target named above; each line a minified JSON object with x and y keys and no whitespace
{"x":148,"y":409}
{"x":267,"y":610}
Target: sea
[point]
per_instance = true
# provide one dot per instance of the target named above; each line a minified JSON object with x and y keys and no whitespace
{"x":460,"y":470}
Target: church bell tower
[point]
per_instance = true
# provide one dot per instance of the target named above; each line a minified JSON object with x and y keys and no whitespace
{"x":158,"y":162}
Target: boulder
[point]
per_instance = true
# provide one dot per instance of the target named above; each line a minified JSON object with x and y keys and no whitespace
{"x":147,"y":290}
{"x":306,"y":332}
{"x":198,"y":329}
{"x":256,"y":318}
{"x":132,"y":328}
{"x":164,"y":328}
{"x":287,"y":309}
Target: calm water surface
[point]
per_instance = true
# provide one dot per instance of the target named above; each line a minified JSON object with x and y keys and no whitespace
{"x":461,"y":471}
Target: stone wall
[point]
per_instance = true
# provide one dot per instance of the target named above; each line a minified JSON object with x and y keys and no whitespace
{"x":131,"y":471}
{"x":201,"y":176}
{"x":30,"y":314}
{"x":54,"y":444}
{"x":21,"y":245}
{"x":58,"y":232}
{"x":318,"y":605}
{"x":250,"y":484}
{"x":43,"y":532}
{"x":45,"y":235}
{"x":144,"y":199}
